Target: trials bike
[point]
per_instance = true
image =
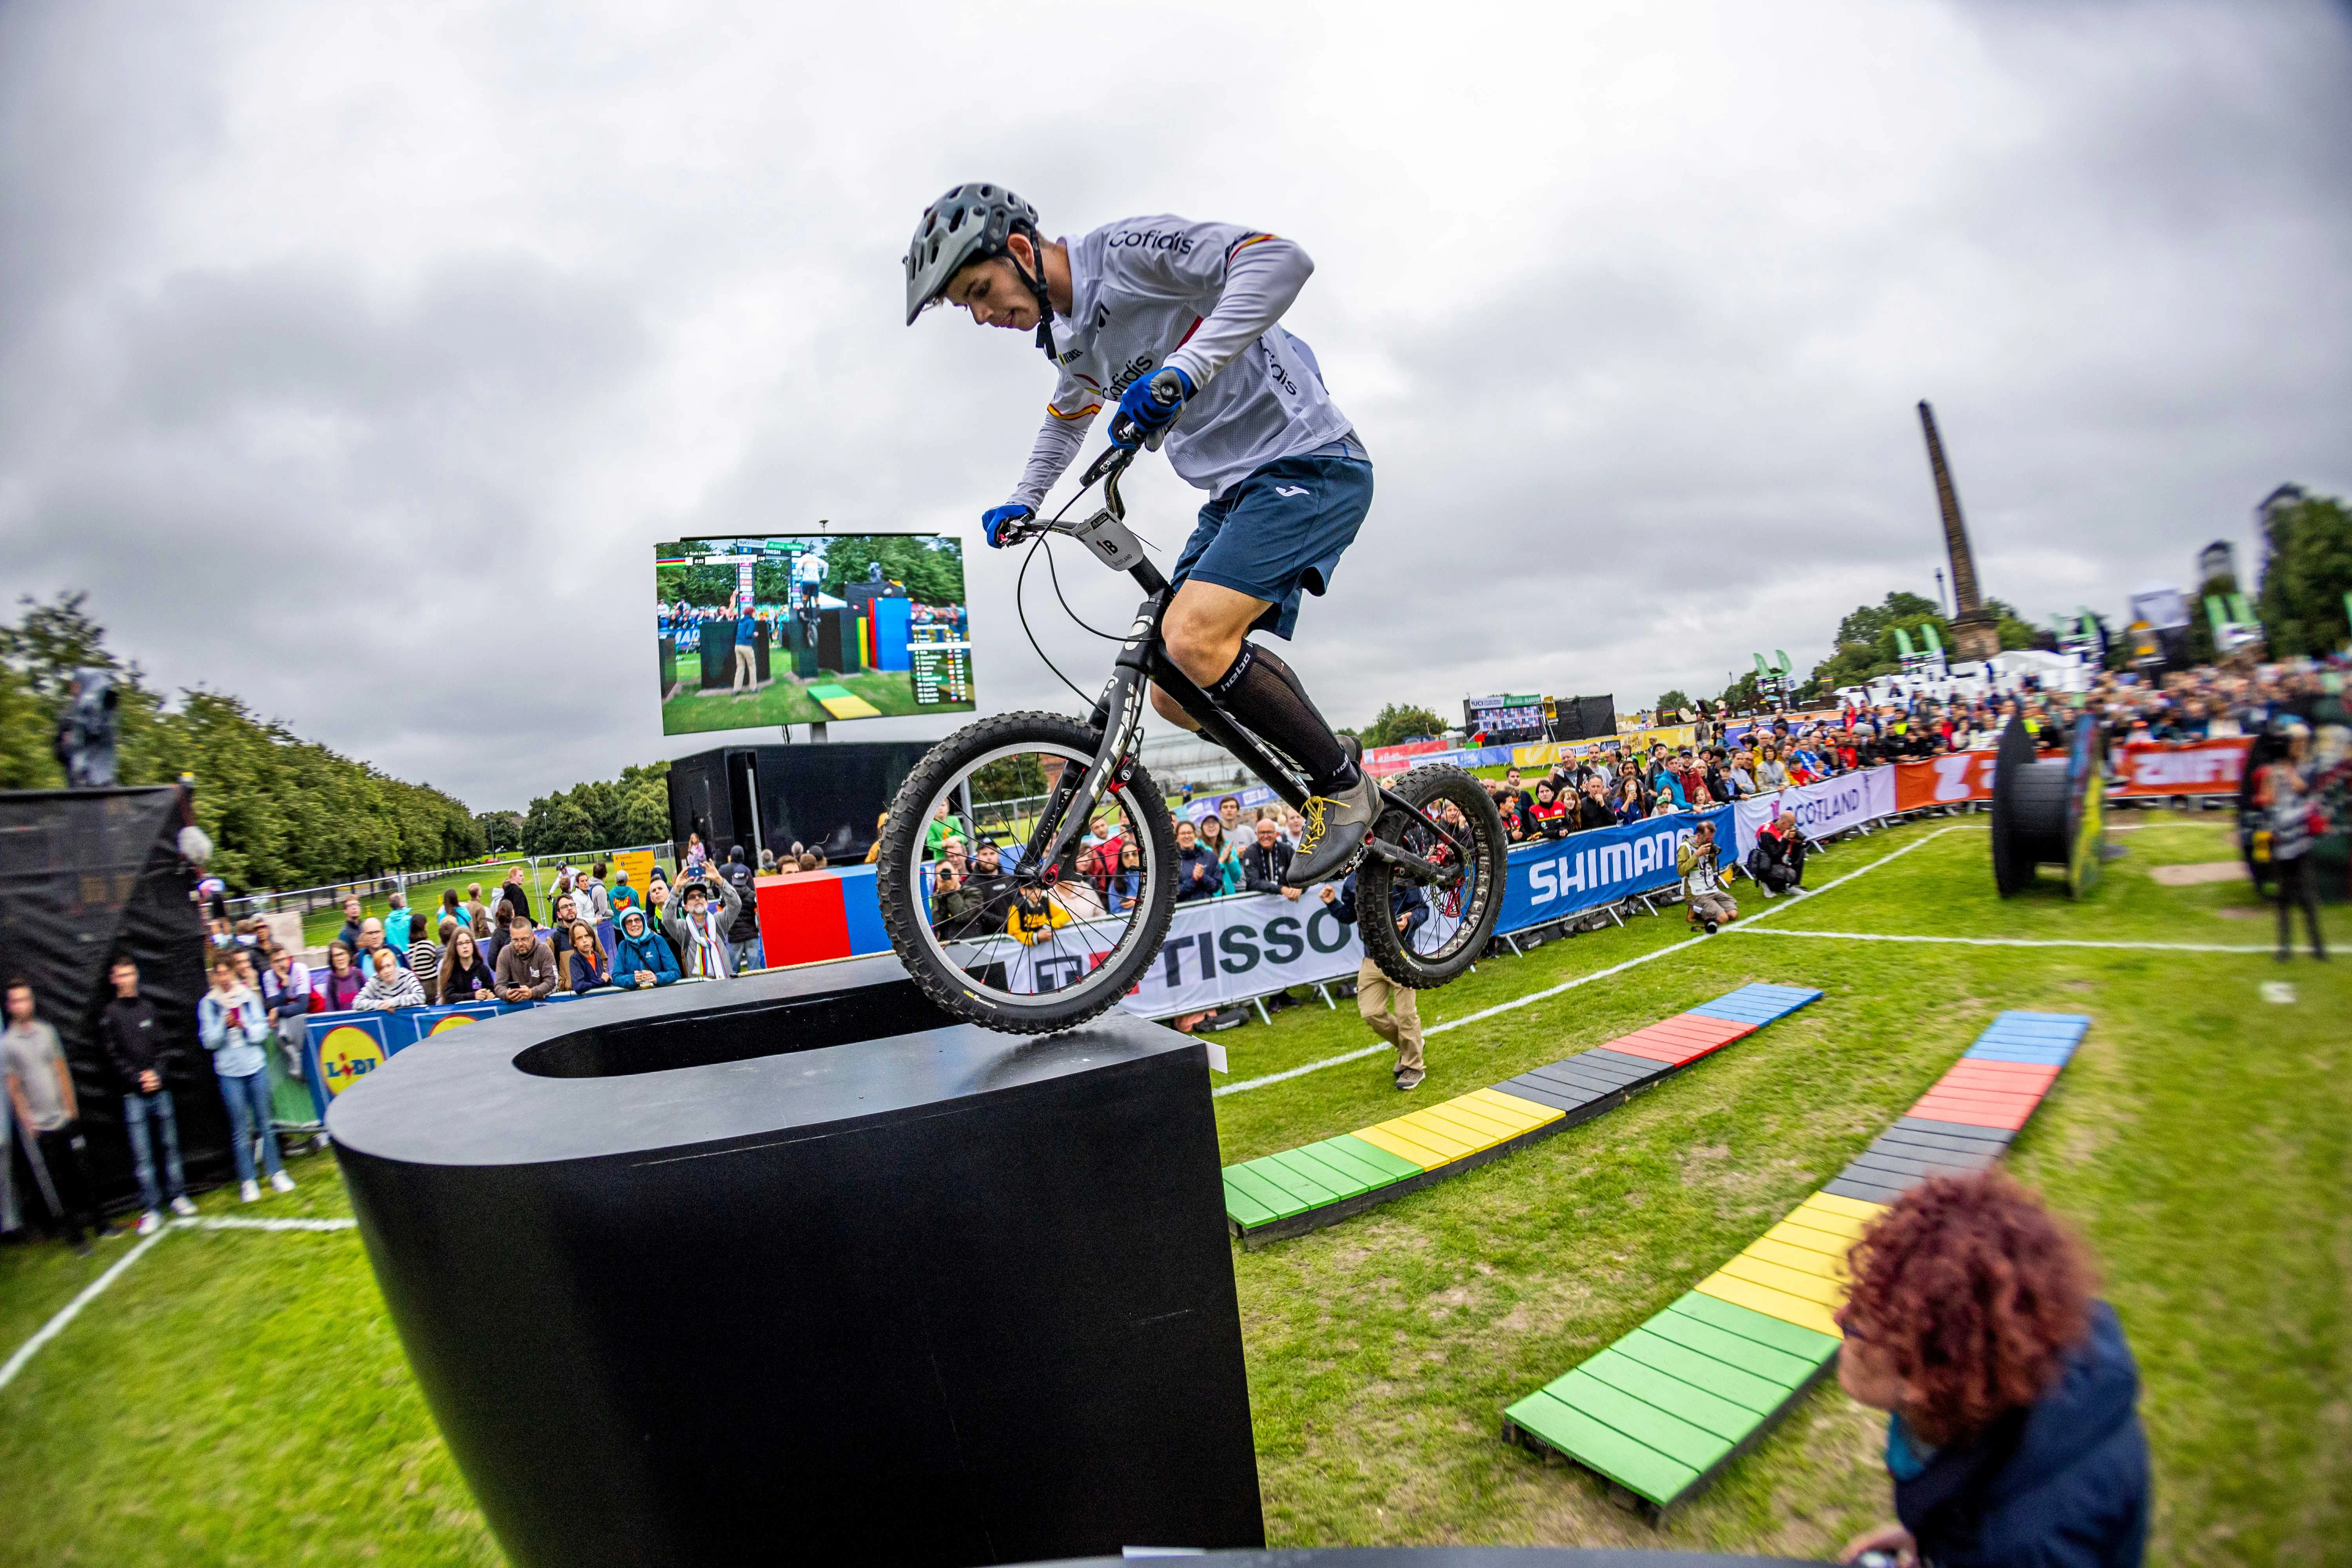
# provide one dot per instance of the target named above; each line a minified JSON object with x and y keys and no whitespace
{"x":980,"y":873}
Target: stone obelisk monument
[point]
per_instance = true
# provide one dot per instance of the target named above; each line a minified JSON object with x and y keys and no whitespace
{"x":1974,"y":634}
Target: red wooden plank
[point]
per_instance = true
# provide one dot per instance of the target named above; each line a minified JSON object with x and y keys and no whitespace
{"x":1972,"y":1115}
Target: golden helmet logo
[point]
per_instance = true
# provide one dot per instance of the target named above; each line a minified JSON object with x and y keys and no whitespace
{"x":454,"y":1021}
{"x":347,"y":1055}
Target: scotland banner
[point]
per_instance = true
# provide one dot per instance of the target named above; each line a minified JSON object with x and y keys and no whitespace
{"x":1600,"y":866}
{"x":1830,"y":806}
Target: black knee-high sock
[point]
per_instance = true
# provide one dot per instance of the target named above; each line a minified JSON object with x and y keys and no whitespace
{"x":1262,"y":693}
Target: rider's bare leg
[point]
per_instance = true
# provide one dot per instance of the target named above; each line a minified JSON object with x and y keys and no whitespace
{"x":1206,"y":630}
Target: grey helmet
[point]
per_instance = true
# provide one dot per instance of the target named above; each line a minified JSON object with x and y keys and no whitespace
{"x":970,"y":224}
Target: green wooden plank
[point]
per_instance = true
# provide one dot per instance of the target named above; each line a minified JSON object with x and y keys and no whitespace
{"x":1331,"y":1151}
{"x":1398,"y":1167}
{"x":1708,"y":1412}
{"x":1603,"y":1448}
{"x":1346,"y":1183}
{"x":1759,"y":1395}
{"x":1644,"y":1422}
{"x":1245,"y":1209}
{"x":1809,"y":1347}
{"x":1777,"y":1367}
{"x":1278,"y":1170}
{"x":1278,"y":1201}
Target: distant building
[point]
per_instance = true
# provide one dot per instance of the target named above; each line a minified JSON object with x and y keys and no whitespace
{"x":2278,"y":500}
{"x":2219,"y":559}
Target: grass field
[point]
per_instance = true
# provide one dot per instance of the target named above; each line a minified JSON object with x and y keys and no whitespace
{"x":239,"y":1395}
{"x":786,"y":701}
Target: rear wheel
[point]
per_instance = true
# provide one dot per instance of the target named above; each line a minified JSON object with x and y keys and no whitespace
{"x":952,"y":899}
{"x":1461,"y":911}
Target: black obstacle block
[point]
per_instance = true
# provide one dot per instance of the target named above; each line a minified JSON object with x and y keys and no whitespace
{"x":796,"y":1268}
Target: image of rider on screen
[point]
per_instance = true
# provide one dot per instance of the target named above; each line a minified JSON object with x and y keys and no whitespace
{"x":1177,"y":325}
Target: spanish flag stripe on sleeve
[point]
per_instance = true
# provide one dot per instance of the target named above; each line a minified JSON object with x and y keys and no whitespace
{"x":1088,"y":411}
{"x":1244,"y":243}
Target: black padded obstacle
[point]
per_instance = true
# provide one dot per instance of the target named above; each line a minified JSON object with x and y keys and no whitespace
{"x":796,"y":1268}
{"x":2048,"y":813}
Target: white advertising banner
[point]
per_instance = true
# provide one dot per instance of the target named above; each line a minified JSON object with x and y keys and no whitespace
{"x":1830,"y":806}
{"x":1219,"y":952}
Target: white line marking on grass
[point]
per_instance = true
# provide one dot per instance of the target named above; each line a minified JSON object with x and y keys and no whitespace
{"x":72,"y":1309}
{"x":1551,"y":991}
{"x":2015,"y":942}
{"x":91,"y":1291}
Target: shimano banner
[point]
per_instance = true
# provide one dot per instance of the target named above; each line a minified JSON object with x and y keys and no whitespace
{"x":1821,"y":809}
{"x":1585,"y":871}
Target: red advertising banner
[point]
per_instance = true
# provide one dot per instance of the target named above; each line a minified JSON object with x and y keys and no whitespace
{"x":1395,"y":758}
{"x":2147,"y":767}
{"x":2185,"y":767}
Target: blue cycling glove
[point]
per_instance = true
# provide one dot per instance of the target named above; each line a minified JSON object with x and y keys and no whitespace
{"x":1143,"y":406}
{"x":997,"y":519}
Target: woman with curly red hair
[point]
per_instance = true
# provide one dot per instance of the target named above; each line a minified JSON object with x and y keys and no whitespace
{"x":2014,"y":1436}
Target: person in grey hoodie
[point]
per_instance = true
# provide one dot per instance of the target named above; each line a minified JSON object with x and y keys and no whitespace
{"x":235,"y":1027}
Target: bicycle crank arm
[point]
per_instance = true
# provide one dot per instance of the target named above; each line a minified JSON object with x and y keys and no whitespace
{"x":1405,"y":860}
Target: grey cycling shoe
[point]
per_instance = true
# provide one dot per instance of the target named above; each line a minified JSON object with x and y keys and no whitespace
{"x":1336,"y":826}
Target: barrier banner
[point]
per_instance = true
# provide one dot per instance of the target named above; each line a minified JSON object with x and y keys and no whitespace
{"x":1823,"y":809}
{"x":1943,"y":781}
{"x":1396,"y":759}
{"x":1466,"y":757}
{"x":2184,"y":767}
{"x":1217,"y":952}
{"x":1586,"y":870}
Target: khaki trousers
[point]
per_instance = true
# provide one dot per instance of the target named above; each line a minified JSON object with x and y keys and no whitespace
{"x":1392,"y":1012}
{"x":747,"y":667}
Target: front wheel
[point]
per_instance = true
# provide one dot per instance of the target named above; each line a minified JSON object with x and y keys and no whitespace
{"x":987,"y":931}
{"x":1458,"y":916}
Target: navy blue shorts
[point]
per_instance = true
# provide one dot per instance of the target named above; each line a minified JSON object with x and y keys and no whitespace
{"x":1277,"y":535}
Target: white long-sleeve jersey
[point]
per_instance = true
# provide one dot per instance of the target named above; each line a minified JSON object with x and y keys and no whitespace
{"x":1207,"y":297}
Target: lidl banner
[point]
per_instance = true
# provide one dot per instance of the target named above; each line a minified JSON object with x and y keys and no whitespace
{"x":1830,"y":806}
{"x":1545,"y":754}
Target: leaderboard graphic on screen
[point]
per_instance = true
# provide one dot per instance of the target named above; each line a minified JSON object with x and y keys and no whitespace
{"x":806,"y":628}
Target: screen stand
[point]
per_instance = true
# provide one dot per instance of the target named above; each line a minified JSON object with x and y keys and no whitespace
{"x":816,"y":733}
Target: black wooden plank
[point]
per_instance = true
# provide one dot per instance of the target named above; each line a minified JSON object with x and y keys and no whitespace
{"x":1954,"y":1128}
{"x":1573,"y":1079}
{"x":1612,"y":1070}
{"x":1897,"y":1165}
{"x":1543,"y":1091}
{"x":1846,"y":1186}
{"x":1641,"y":1067}
{"x":1944,"y":1142}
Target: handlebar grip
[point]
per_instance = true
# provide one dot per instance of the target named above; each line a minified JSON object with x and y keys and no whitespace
{"x":1166,"y":388}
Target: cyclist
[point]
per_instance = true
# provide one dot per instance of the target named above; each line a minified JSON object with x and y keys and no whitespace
{"x":1178,"y":323}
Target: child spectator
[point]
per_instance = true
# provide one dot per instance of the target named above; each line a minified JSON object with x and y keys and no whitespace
{"x":389,"y":987}
{"x":465,"y":977}
{"x":586,"y":960}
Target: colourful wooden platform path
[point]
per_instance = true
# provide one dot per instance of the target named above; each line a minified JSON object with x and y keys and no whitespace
{"x":1660,"y":1411}
{"x":1299,"y":1190}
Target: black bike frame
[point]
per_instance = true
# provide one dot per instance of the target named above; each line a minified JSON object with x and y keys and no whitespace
{"x":1143,"y":659}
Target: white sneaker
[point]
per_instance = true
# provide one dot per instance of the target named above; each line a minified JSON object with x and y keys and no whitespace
{"x":282,"y":1182}
{"x":182,"y":1206}
{"x":151,"y":1222}
{"x":249,"y":1193}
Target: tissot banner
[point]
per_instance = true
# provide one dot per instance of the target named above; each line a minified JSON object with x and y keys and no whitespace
{"x":1821,"y":809}
{"x":1218,"y":951}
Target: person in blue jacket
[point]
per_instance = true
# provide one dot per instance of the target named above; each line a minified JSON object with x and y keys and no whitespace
{"x":2014,"y":1433}
{"x":640,"y":957}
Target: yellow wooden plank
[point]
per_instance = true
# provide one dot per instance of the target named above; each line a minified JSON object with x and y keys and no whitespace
{"x":1792,"y":1232}
{"x":1837,"y":1225}
{"x":1794,"y":1281}
{"x":1838,"y":1203}
{"x":1511,"y":1123}
{"x":1771,"y":1302}
{"x":1429,"y":1135}
{"x":1478,"y":1132}
{"x":1403,"y":1148}
{"x":1803,"y":1260}
{"x":1534,"y":1115}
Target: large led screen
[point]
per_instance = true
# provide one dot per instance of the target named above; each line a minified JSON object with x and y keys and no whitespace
{"x":808,"y":629}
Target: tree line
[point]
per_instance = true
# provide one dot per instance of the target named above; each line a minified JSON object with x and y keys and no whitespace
{"x":282,"y":812}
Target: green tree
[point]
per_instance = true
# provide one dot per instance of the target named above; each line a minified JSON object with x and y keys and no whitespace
{"x":1671,"y":701}
{"x":501,"y":831}
{"x":1399,"y":722}
{"x":929,"y":566}
{"x":2306,"y":571}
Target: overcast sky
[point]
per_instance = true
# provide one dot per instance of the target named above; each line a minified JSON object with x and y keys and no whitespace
{"x":354,"y":358}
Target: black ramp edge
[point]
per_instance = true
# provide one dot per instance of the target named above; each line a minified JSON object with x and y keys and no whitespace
{"x":890,"y":1265}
